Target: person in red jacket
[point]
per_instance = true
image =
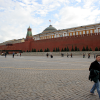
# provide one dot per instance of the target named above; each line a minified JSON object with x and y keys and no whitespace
{"x":96,"y":66}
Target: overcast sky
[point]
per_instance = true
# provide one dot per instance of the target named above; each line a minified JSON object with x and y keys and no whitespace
{"x":17,"y":15}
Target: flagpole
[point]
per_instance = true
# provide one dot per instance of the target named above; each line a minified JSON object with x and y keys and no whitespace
{"x":50,"y":22}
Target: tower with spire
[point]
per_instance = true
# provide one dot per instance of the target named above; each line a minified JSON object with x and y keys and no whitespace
{"x":29,"y":33}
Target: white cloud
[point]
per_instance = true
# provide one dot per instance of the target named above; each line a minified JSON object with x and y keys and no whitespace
{"x":78,"y":0}
{"x":17,"y":15}
{"x":89,"y":3}
{"x":72,"y":17}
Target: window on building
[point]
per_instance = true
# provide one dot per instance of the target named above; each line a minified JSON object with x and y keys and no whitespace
{"x":83,"y":32}
{"x":67,"y":34}
{"x":91,"y":31}
{"x":74,"y":33}
{"x":87,"y":32}
{"x":95,"y":31}
{"x":70,"y":34}
{"x":99,"y":30}
{"x":80,"y":33}
{"x":57,"y":35}
{"x":61,"y":35}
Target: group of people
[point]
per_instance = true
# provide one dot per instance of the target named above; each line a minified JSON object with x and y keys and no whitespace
{"x":94,"y":71}
{"x":70,"y":55}
{"x":88,"y":55}
{"x":13,"y":54}
{"x":67,"y":55}
{"x":50,"y":55}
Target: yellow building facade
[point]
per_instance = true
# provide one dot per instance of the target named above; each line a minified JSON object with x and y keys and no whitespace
{"x":51,"y":32}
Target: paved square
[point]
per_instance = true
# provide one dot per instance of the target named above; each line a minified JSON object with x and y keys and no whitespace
{"x":42,"y":78}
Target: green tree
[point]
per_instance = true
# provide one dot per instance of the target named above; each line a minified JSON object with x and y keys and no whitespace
{"x":38,"y":50}
{"x":45,"y":50}
{"x":83,"y":49}
{"x":58,"y":49}
{"x":90,"y":49}
{"x":41,"y":50}
{"x":67,"y":49}
{"x":75,"y":48}
{"x":72,"y":49}
{"x":48,"y":50}
{"x":87,"y":49}
{"x":62,"y":50}
{"x":78,"y":49}
{"x":32,"y":50}
{"x":54,"y":50}
{"x":96,"y":49}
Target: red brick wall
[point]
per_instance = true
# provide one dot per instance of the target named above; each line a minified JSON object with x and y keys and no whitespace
{"x":91,"y":41}
{"x":61,"y":42}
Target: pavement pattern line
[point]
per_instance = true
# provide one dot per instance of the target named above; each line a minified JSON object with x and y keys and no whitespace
{"x":45,"y":69}
{"x":60,"y":62}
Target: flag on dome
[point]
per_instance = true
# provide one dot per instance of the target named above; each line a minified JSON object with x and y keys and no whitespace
{"x":49,"y":20}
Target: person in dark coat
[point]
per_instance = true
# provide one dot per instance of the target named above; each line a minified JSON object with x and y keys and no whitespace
{"x":13,"y":54}
{"x":71,"y":55}
{"x":96,"y":66}
{"x":20,"y":54}
{"x":47,"y":55}
{"x":5,"y":54}
{"x":67,"y":54}
{"x":89,"y":55}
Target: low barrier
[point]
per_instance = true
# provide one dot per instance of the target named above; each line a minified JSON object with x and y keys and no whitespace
{"x":75,"y":53}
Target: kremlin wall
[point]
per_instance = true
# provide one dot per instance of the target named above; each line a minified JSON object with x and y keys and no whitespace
{"x":51,"y":38}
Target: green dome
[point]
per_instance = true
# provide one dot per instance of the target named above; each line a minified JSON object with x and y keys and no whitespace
{"x":49,"y":29}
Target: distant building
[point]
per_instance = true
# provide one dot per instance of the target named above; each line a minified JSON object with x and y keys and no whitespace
{"x":51,"y":32}
{"x":51,"y":38}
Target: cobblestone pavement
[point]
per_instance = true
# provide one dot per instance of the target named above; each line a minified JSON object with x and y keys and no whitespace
{"x":42,"y":78}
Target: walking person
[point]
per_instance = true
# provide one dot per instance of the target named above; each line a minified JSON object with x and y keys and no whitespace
{"x":67,"y":55}
{"x":89,"y":55}
{"x":20,"y":54}
{"x":51,"y":55}
{"x":5,"y":54}
{"x":13,"y":54}
{"x":94,"y":75}
{"x":83,"y":55}
{"x":94,"y":56}
{"x":71,"y":55}
{"x":47,"y":55}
